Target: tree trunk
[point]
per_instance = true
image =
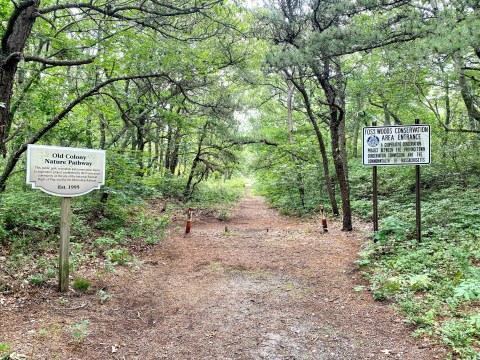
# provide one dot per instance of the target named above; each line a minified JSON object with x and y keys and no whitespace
{"x":175,"y":148}
{"x":188,"y":188}
{"x":356,"y":128}
{"x":336,"y":102}
{"x":88,"y":133}
{"x":168,"y":149}
{"x":13,"y":43}
{"x":386,"y":113}
{"x":323,"y":151}
{"x":156,"y":149}
{"x":342,"y":176}
{"x":466,"y":92}
{"x":174,"y":159}
{"x":299,"y":180}
{"x":140,"y":144}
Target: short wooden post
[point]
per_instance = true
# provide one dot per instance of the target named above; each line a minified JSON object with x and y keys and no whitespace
{"x":324,"y":219}
{"x":189,"y":220}
{"x":65,"y":223}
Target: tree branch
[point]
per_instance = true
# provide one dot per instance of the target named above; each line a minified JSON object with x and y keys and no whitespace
{"x":12,"y":161}
{"x":266,"y":142}
{"x":15,"y":132}
{"x":11,"y":59}
{"x":114,"y":12}
{"x":59,"y":62}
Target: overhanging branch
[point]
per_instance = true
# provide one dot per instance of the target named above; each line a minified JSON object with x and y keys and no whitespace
{"x":59,"y":62}
{"x":12,"y":161}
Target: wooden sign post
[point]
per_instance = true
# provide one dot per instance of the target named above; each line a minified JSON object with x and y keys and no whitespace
{"x":65,"y":172}
{"x":65,"y":223}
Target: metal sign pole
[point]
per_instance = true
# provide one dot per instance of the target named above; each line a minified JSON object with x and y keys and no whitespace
{"x":418,"y":209}
{"x":375,"y":196}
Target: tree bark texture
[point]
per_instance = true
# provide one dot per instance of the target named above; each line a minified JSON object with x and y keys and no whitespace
{"x":188,"y":188}
{"x":467,"y":94}
{"x":299,"y":180}
{"x":321,"y":144}
{"x":336,"y":102}
{"x":14,"y":40}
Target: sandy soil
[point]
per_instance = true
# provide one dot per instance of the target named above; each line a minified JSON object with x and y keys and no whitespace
{"x":257,"y":286}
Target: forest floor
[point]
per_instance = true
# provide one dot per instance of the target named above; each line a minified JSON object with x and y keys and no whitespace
{"x":256,"y":286}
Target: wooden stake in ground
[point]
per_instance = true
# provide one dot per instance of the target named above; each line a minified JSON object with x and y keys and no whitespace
{"x":324,"y":219}
{"x":65,"y":223}
{"x":189,"y":220}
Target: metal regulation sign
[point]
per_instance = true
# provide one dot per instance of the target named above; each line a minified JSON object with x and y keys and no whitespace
{"x":396,"y":145}
{"x":64,"y":171}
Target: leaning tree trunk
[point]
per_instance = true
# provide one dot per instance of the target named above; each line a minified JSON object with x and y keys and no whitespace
{"x":342,"y":175}
{"x":323,"y":151}
{"x":466,"y":92}
{"x":188,"y":187}
{"x":14,"y":39}
{"x":336,"y":102}
{"x":299,"y":180}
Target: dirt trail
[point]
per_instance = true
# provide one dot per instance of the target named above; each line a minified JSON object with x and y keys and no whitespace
{"x":269,"y":288}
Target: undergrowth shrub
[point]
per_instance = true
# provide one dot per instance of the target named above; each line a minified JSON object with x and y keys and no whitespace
{"x":219,"y":192}
{"x":81,"y":284}
{"x":436,"y":283}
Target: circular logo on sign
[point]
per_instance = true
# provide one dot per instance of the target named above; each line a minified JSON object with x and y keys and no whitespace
{"x":373,"y":141}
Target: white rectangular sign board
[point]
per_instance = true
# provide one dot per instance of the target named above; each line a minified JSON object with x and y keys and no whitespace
{"x":65,"y":171}
{"x":396,"y":145}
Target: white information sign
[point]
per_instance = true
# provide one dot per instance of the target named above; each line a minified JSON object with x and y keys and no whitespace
{"x":396,"y":145}
{"x":65,"y":171}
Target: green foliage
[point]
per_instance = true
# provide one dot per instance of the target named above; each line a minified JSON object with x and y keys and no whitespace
{"x":384,"y":287}
{"x":118,"y":256}
{"x":217,"y":192}
{"x":4,"y":347}
{"x":103,"y":296}
{"x":36,"y":280}
{"x":123,"y":182}
{"x":420,"y":282}
{"x":104,"y":242}
{"x":281,"y":187}
{"x":80,"y":284}
{"x":18,"y":216}
{"x":391,"y":229}
{"x":80,"y":330}
{"x":49,"y":273}
{"x":468,"y":289}
{"x":437,"y":280}
{"x":167,"y":185}
{"x":459,"y":334}
{"x":223,"y":215}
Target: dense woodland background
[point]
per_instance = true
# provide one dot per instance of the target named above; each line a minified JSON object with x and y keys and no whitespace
{"x":191,"y":98}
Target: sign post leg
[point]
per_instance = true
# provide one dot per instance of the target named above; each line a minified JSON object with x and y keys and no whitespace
{"x":65,"y":223}
{"x":418,"y":203}
{"x":417,"y":196}
{"x":375,"y":197}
